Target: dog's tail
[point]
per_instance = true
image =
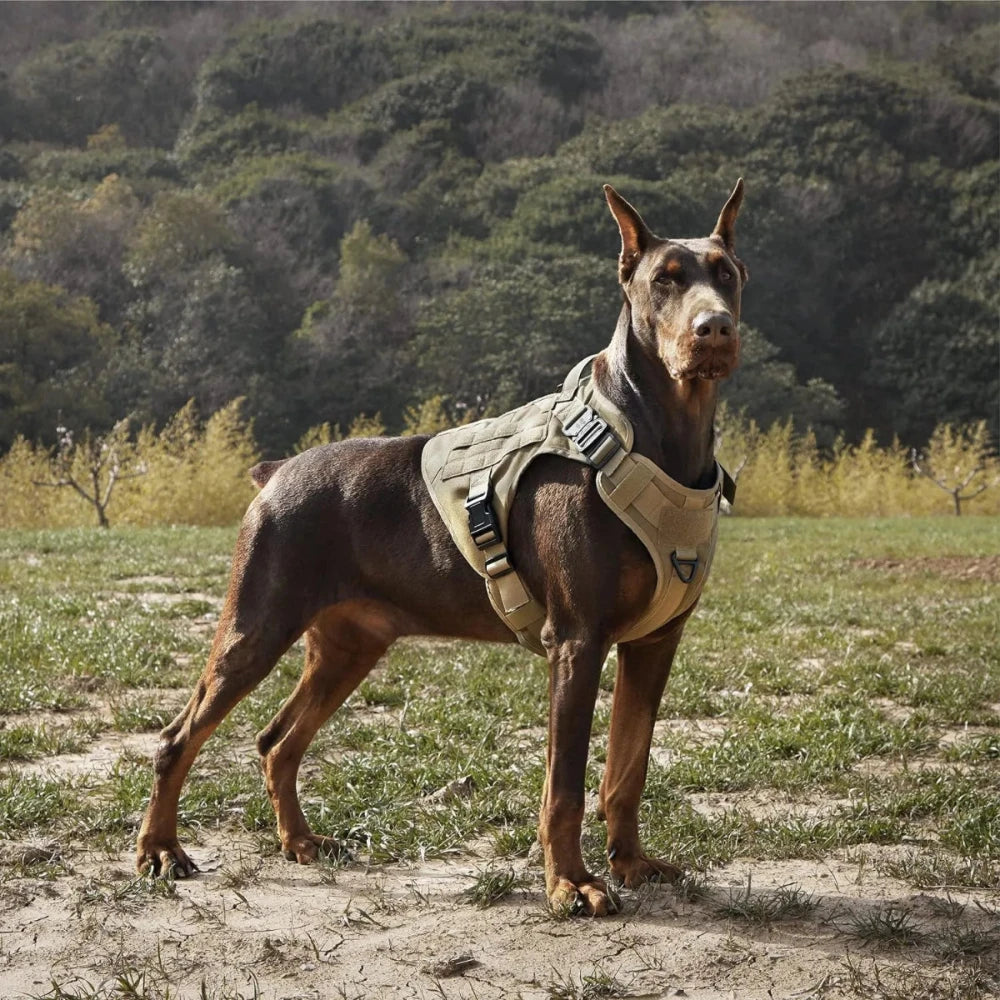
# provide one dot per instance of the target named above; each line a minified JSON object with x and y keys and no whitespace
{"x":261,"y":473}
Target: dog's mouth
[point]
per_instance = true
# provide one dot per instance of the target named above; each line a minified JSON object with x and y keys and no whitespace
{"x":711,"y":371}
{"x":706,"y":364}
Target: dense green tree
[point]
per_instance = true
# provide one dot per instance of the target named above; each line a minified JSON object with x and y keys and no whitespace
{"x":767,"y":390}
{"x":208,"y":317}
{"x":129,"y":78}
{"x":293,"y":210}
{"x":11,"y":113}
{"x":216,"y":140}
{"x":511,"y":330}
{"x":52,"y":349}
{"x":445,"y":93}
{"x":72,"y":170}
{"x":857,"y":220}
{"x":313,"y":64}
{"x":971,"y":61}
{"x":654,"y":144}
{"x":79,"y":244}
{"x":935,"y":355}
{"x":347,"y":357}
{"x":536,"y":44}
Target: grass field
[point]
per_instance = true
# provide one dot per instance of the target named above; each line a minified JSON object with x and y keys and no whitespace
{"x":836,"y":698}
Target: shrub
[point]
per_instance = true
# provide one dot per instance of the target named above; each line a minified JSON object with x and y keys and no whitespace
{"x":427,"y":418}
{"x":779,"y":472}
{"x":361,"y":426}
{"x":26,"y":506}
{"x":193,"y":473}
{"x":961,"y":461}
{"x":196,"y":473}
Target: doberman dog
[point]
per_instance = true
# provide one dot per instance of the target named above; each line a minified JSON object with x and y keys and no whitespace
{"x":343,"y":544}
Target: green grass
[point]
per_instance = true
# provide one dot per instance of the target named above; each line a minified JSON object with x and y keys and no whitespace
{"x":805,"y":677}
{"x":886,"y":926}
{"x":788,"y":902}
{"x":492,"y":884}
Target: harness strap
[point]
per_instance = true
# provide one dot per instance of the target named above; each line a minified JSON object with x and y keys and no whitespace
{"x":728,"y":486}
{"x":506,"y":589}
{"x":627,"y":484}
{"x":512,"y":601}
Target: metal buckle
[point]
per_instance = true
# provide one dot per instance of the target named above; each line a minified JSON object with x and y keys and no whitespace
{"x":498,"y":566}
{"x":483,"y":524}
{"x":592,"y":435}
{"x":690,"y":566}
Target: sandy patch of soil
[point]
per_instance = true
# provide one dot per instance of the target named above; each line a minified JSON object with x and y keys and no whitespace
{"x":406,"y":931}
{"x":99,"y":757}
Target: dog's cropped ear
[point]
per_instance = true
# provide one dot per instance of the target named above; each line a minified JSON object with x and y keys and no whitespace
{"x":725,"y":228}
{"x":636,"y":238}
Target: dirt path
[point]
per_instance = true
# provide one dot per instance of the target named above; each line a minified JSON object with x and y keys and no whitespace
{"x":252,"y":926}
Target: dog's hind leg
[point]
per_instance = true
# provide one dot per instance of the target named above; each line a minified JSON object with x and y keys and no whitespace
{"x":237,"y":664}
{"x":255,"y":629}
{"x":342,"y":645}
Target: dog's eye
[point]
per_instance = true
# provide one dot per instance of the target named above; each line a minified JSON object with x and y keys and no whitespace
{"x":725,"y":275}
{"x":670,"y":278}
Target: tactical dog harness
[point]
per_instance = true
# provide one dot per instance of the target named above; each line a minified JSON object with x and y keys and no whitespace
{"x":472,"y":473}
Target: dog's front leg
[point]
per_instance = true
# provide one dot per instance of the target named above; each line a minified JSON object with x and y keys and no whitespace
{"x":574,"y":672}
{"x":643,"y":669}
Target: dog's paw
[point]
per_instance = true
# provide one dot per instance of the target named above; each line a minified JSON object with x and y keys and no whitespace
{"x":307,"y":847}
{"x":633,"y":872}
{"x":591,"y":897}
{"x":163,"y":860}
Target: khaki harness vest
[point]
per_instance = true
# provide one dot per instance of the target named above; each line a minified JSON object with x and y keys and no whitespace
{"x":472,"y":473}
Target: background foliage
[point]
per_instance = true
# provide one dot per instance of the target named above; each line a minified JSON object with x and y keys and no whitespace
{"x":340,"y":210}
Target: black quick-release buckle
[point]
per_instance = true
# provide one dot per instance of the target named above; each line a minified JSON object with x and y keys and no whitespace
{"x":483,"y":524}
{"x":685,"y":568}
{"x":592,"y":435}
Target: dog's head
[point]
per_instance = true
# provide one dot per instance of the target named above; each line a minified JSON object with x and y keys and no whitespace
{"x":684,"y":295}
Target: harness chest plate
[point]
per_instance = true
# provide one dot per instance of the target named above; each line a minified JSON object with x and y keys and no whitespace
{"x":472,"y":474}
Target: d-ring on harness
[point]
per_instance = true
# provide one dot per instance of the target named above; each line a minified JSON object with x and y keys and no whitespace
{"x":472,"y":473}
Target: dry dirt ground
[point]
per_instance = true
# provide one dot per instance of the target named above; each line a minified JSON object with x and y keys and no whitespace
{"x":253,"y":926}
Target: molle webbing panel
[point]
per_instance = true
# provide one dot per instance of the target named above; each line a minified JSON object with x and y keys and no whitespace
{"x":677,"y":525}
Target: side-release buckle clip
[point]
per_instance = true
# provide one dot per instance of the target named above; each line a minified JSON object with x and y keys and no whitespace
{"x":483,"y":524}
{"x":592,"y":435}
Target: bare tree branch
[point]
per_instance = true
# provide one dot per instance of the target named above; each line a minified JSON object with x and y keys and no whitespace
{"x":922,"y":468}
{"x":102,"y":461}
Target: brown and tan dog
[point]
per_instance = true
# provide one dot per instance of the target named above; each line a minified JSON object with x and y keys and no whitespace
{"x":344,"y":545}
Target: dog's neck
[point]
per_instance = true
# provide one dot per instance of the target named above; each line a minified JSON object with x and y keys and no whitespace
{"x":673,"y":420}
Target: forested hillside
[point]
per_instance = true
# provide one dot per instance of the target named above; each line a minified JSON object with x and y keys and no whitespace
{"x":340,"y":209}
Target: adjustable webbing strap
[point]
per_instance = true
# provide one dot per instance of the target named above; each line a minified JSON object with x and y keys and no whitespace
{"x":506,"y":590}
{"x":728,"y":486}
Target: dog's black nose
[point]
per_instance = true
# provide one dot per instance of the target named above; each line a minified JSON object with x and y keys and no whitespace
{"x":713,"y":324}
